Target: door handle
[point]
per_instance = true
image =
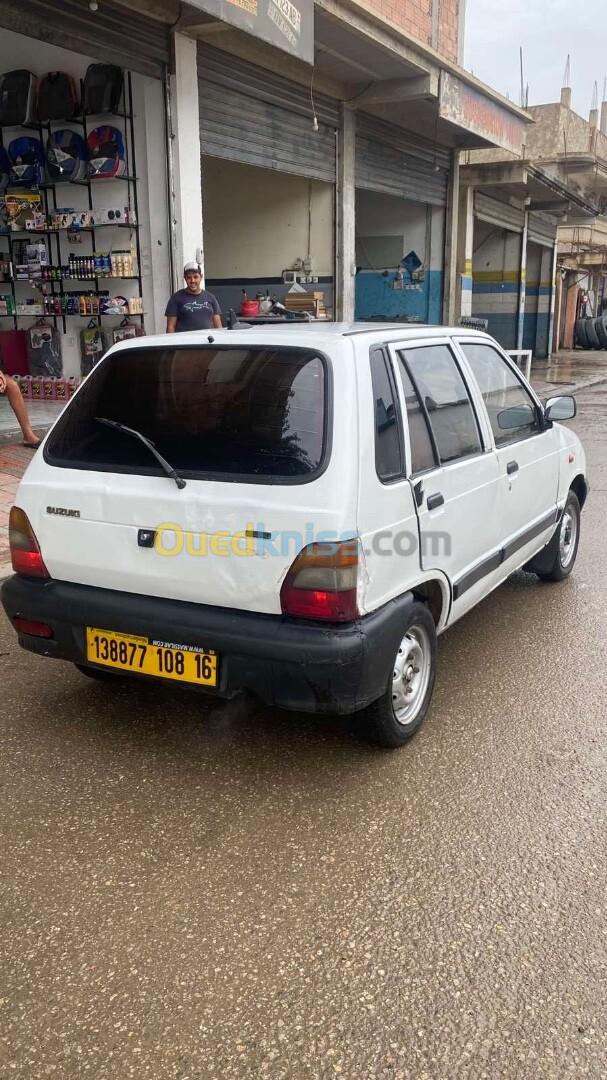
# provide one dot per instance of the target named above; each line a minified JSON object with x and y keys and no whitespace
{"x":512,"y":467}
{"x":435,"y":500}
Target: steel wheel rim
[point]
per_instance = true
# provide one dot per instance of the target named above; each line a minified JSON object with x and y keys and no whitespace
{"x":567,"y":538}
{"x":411,"y":675}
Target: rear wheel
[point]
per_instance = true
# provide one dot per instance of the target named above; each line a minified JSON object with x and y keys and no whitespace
{"x":399,"y":713}
{"x":561,"y":553}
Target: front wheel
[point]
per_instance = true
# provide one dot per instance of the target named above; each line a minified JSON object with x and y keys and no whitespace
{"x":399,"y":713}
{"x":559,"y":558}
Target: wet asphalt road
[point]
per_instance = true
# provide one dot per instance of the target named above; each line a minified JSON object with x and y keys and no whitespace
{"x":193,"y":891}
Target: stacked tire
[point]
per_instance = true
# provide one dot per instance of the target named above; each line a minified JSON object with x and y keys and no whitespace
{"x":591,"y":333}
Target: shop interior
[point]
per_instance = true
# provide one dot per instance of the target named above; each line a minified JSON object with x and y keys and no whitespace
{"x":399,"y":258}
{"x":84,"y":253}
{"x":267,"y":234}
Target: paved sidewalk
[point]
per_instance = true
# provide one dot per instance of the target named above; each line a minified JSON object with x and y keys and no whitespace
{"x":42,"y":415}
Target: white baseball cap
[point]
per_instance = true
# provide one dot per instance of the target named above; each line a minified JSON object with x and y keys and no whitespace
{"x":192,"y":267}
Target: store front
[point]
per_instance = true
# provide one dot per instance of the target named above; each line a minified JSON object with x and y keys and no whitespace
{"x":496,"y":267}
{"x":268,"y":179}
{"x":540,"y":286}
{"x":84,"y":233}
{"x":401,"y":197}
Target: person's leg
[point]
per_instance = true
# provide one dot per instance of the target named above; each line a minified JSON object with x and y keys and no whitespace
{"x":19,"y":408}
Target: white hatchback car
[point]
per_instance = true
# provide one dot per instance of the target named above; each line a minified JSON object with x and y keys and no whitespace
{"x":296,"y":511}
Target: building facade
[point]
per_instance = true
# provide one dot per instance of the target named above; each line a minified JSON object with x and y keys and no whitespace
{"x":307,"y":144}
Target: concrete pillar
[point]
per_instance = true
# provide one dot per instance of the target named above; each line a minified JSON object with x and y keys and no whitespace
{"x":345,"y":246}
{"x":566,"y":97}
{"x":465,"y":250}
{"x":186,"y":156}
{"x":450,"y":282}
{"x":552,"y":309}
{"x":522,"y":284}
{"x":604,"y":118}
{"x":545,"y":304}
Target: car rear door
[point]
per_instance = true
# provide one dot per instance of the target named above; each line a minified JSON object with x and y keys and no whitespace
{"x":527,"y":452}
{"x":453,"y":469}
{"x":262,"y":442}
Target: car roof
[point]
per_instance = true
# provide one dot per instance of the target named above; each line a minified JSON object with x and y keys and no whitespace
{"x":319,"y":334}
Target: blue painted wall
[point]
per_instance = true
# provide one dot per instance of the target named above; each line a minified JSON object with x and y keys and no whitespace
{"x":375,"y":297}
{"x":502,"y":327}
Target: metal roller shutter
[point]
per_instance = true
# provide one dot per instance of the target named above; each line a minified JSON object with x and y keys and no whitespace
{"x":253,"y":116}
{"x":498,"y":213}
{"x":396,"y":162}
{"x":113,"y":34}
{"x":541,"y":231}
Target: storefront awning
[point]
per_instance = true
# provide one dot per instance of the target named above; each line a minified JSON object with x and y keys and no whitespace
{"x":408,"y":84}
{"x":524,"y":181}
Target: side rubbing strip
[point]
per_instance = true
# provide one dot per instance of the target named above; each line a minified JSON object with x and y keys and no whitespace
{"x":494,"y":561}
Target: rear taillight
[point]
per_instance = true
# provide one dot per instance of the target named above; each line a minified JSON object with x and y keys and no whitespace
{"x":321,"y":583}
{"x":32,"y":627}
{"x":25,"y":549}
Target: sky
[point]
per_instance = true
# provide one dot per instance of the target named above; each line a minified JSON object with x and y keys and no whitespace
{"x":547,"y":30}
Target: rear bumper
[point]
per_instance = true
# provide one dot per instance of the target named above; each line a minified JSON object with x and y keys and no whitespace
{"x":290,"y":663}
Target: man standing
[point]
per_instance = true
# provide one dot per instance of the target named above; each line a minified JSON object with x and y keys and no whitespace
{"x":192,"y":308}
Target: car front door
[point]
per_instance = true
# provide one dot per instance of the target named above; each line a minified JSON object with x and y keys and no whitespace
{"x":454,"y":471}
{"x":527,"y":452}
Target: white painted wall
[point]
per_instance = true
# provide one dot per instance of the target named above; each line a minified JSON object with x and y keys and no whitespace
{"x":39,"y":57}
{"x":256,"y":221}
{"x":388,"y":215}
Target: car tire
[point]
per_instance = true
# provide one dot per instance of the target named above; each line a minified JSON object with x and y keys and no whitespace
{"x":600,"y":326}
{"x":591,"y":334}
{"x":396,"y":716}
{"x":557,"y":560}
{"x":99,"y":674}
{"x":581,"y":338}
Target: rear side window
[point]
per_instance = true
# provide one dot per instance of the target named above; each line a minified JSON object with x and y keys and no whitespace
{"x":253,"y":414}
{"x":502,"y":390}
{"x":442,"y":391}
{"x":388,"y":453}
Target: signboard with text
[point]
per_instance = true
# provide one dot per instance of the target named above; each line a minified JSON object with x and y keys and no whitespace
{"x":472,"y":110}
{"x":287,"y":24}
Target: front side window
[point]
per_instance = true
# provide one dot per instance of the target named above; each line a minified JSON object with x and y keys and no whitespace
{"x":512,"y":410}
{"x":442,"y":392}
{"x":254,"y":414}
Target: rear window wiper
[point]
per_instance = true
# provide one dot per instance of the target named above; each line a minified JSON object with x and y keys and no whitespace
{"x":166,"y":467}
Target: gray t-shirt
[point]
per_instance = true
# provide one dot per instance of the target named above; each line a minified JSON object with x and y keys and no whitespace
{"x":193,"y":311}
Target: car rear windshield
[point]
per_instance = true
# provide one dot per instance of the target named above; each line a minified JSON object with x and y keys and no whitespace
{"x":236,"y":413}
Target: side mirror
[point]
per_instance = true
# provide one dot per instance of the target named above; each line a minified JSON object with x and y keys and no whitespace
{"x":560,"y":408}
{"x":517,"y":416}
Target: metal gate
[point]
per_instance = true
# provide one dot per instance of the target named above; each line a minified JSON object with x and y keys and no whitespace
{"x":541,"y":232}
{"x":494,"y":212}
{"x":396,"y":162}
{"x":113,"y":34}
{"x":256,"y":117}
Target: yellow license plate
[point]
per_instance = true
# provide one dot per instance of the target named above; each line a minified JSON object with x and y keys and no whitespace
{"x":151,"y":656}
